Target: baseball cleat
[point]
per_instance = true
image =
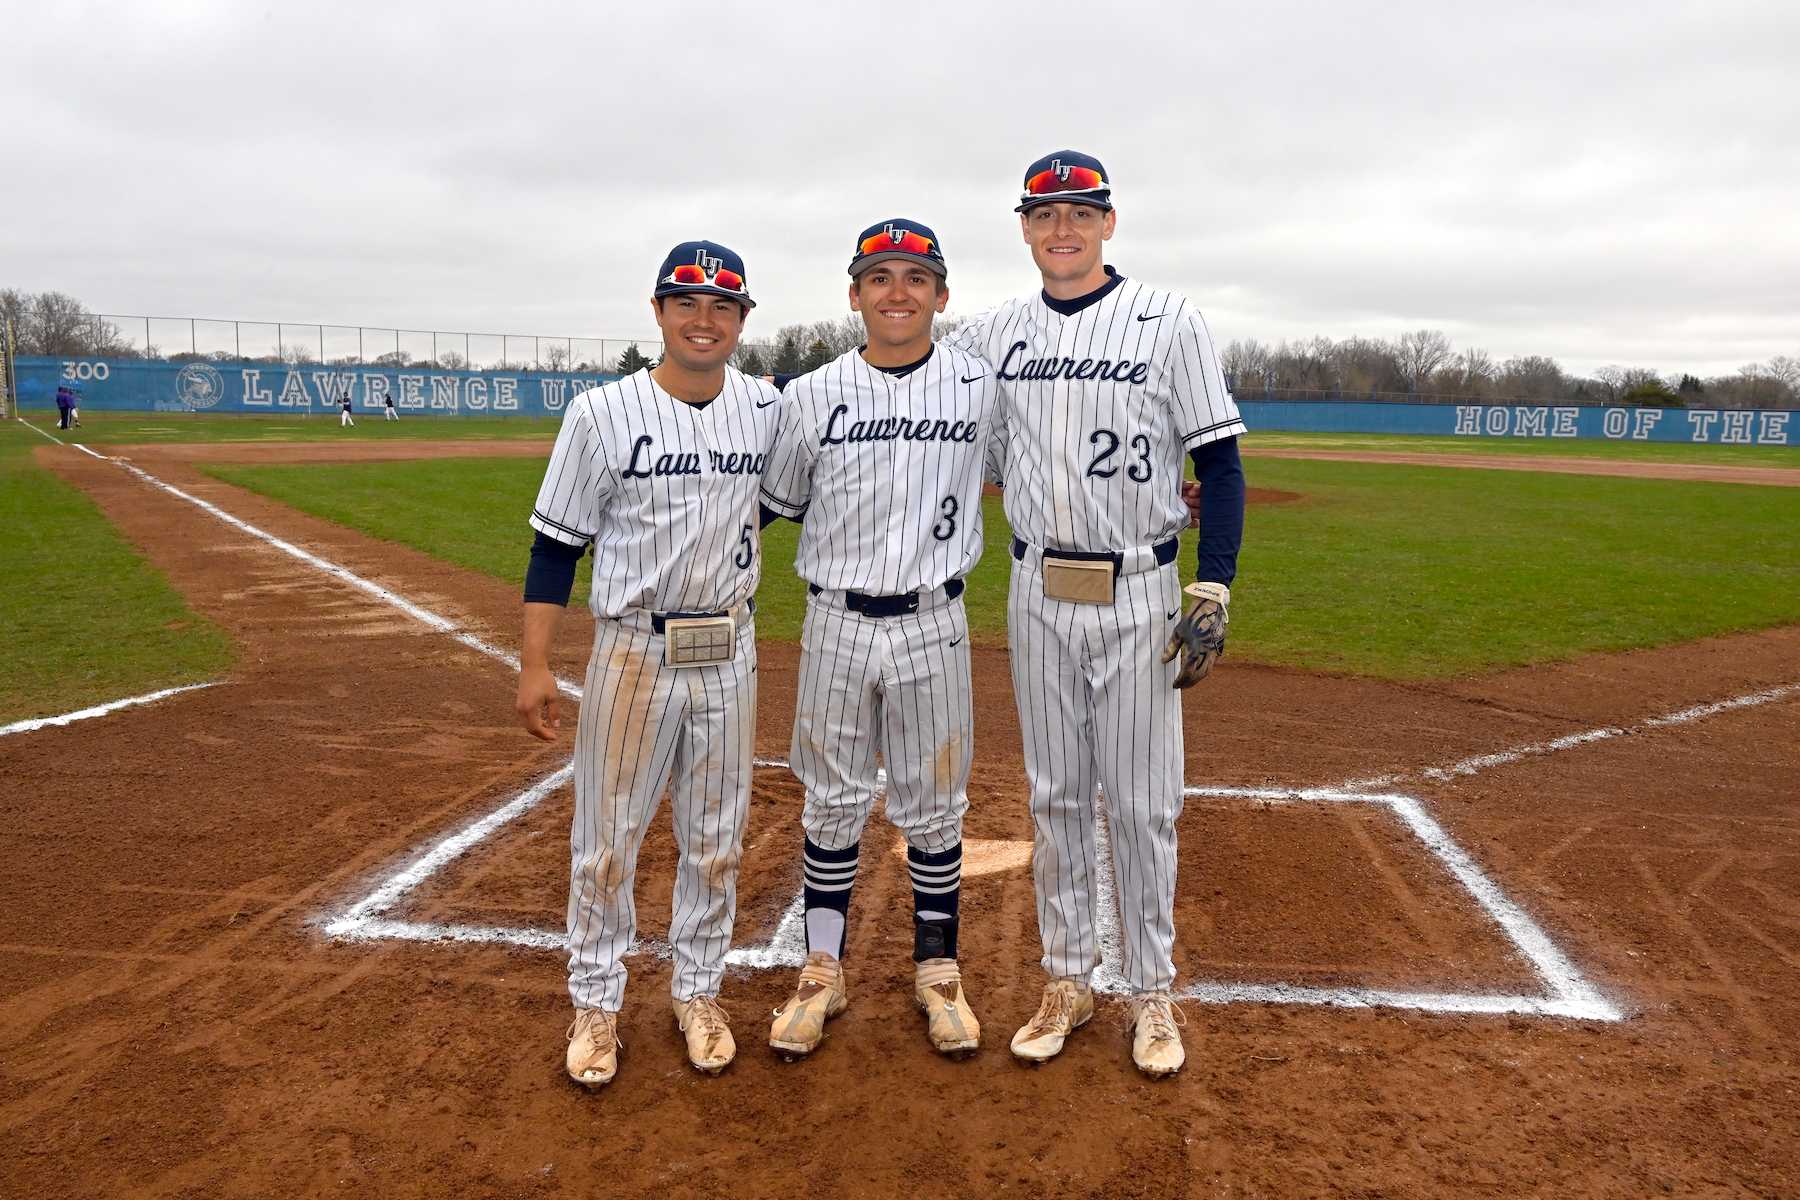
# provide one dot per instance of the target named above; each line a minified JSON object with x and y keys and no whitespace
{"x":1155,"y":1041}
{"x":1068,"y":1004}
{"x":799,"y":1025}
{"x":710,"y":1046}
{"x":593,"y":1057}
{"x":938,"y":991}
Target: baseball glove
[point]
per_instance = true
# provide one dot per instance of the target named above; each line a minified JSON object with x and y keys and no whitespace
{"x":1199,"y":636}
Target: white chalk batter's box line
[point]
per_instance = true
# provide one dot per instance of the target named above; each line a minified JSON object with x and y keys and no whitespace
{"x":1567,"y":993}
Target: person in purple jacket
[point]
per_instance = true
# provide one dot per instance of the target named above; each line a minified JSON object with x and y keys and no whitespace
{"x":64,"y":402}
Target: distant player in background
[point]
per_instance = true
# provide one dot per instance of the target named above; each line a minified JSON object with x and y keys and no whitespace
{"x":879,"y":453}
{"x":387,"y":407}
{"x":659,"y":470}
{"x":62,"y":406}
{"x":75,"y":405}
{"x":345,"y":418}
{"x":1106,"y":386}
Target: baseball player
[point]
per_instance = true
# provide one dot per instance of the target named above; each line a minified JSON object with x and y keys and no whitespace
{"x":387,"y":408}
{"x":345,"y":418}
{"x":660,"y":471}
{"x":1106,"y":384}
{"x":881,"y":452}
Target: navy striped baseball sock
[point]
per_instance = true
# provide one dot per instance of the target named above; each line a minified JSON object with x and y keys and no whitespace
{"x":830,"y":874}
{"x":937,"y":894}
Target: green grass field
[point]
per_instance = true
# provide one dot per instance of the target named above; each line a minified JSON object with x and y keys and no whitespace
{"x":1398,"y":572}
{"x":1624,"y":449}
{"x":112,"y":428}
{"x":83,"y":619}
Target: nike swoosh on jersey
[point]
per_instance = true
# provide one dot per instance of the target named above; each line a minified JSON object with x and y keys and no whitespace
{"x":766,"y":403}
{"x":1151,"y":316}
{"x":972,"y":378}
{"x":955,"y":641}
{"x":1172,"y":613}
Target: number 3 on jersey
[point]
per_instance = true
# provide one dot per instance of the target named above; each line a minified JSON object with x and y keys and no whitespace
{"x":945,"y":528}
{"x":1138,"y":471}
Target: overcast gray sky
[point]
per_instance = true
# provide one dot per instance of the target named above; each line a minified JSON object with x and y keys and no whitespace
{"x":1604,"y":182}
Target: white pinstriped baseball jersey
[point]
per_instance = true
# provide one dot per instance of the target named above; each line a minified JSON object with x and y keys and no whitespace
{"x":886,"y":471}
{"x":1100,"y":410}
{"x":665,"y":491}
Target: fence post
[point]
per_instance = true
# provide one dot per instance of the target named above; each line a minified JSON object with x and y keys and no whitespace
{"x":237,"y":339}
{"x":434,"y":357}
{"x":359,"y":345}
{"x":193,"y":338}
{"x":321,"y":345}
{"x":146,"y":337}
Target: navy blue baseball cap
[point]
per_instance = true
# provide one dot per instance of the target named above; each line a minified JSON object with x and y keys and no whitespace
{"x":703,"y":267}
{"x":1068,"y":177}
{"x":897,"y":237}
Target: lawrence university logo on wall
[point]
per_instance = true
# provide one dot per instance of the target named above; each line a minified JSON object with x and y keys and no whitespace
{"x":199,"y":385}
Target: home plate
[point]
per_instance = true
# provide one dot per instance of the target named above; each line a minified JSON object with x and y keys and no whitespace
{"x":983,"y":857}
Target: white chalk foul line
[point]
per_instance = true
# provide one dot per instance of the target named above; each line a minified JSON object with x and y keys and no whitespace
{"x":99,"y":710}
{"x":418,"y":612}
{"x":366,"y":920}
{"x":41,"y":433}
{"x":1501,"y":758}
{"x":1569,"y":994}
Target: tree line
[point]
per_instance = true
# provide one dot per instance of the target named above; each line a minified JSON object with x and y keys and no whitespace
{"x":1425,"y":364}
{"x":1421,"y":365}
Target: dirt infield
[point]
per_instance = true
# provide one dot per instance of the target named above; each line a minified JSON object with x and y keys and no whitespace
{"x":176,"y":1023}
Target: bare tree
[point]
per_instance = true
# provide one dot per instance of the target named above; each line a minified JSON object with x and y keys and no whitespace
{"x":1419,"y":354}
{"x":1610,"y":381}
{"x":1786,"y":368}
{"x":1531,"y":377}
{"x":556,"y":356}
{"x":1473,"y":370}
{"x":1634,"y":378}
{"x":1246,"y":363}
{"x":451,"y":360}
{"x":945,"y":326}
{"x":1304,"y":364}
{"x":1367,"y":365}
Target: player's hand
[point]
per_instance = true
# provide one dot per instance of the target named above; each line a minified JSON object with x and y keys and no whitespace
{"x":540,"y":703}
{"x":1199,"y":636}
{"x":1190,"y":496}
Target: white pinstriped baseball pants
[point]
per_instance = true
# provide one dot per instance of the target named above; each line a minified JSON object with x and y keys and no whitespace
{"x":1097,"y":706}
{"x":897,"y":685}
{"x":644,"y":726}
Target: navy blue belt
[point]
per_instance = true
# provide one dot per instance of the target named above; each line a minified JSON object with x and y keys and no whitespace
{"x":902,"y":605}
{"x":1164,"y":551}
{"x":658,"y":620}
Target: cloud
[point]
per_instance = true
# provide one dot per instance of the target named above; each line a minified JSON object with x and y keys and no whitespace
{"x":1613,"y":184}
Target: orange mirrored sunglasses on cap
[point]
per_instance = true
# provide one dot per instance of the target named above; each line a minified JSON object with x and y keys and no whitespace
{"x":1051,"y":181}
{"x":694,"y":275}
{"x":908,"y":243}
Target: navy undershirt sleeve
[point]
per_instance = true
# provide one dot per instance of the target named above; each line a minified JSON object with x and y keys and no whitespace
{"x":550,"y":578}
{"x":1221,"y":476}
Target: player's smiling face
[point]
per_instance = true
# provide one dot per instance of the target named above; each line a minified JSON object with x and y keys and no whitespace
{"x":699,"y":330}
{"x":1067,"y":242}
{"x":897,"y":300}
